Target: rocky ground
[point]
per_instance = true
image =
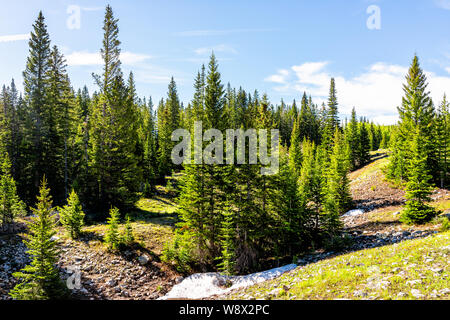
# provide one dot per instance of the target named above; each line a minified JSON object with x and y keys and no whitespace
{"x":133,"y":274}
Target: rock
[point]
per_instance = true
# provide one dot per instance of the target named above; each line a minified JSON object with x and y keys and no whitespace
{"x":178,"y":280}
{"x":437,"y":270}
{"x":143,"y":260}
{"x":112,"y":283}
{"x":275,"y":292}
{"x":359,"y":293}
{"x":413,"y":282}
{"x":416,"y":294}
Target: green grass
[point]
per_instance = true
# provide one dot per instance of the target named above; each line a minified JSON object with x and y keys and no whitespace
{"x":389,"y":272}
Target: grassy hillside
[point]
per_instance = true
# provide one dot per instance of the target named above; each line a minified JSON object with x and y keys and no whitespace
{"x":414,"y":269}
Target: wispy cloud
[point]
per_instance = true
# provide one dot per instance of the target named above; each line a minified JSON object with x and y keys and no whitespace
{"x":375,"y":93}
{"x":85,"y":58}
{"x":205,"y":33}
{"x":15,"y":37}
{"x":218,"y":48}
{"x":444,"y":4}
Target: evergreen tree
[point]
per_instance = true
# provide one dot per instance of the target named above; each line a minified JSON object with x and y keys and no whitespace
{"x":10,"y":204}
{"x":128,"y":238}
{"x":72,"y":215}
{"x":112,"y":237}
{"x":363,"y":145}
{"x":418,"y":188}
{"x":442,"y":134}
{"x":337,"y":196}
{"x":36,"y":83}
{"x":40,"y":279}
{"x":416,"y":113}
{"x":354,"y":141}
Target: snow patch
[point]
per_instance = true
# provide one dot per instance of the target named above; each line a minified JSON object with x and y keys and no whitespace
{"x":202,"y":285}
{"x":352,"y":213}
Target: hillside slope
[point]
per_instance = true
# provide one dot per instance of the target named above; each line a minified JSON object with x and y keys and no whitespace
{"x":385,"y":259}
{"x":413,"y":269}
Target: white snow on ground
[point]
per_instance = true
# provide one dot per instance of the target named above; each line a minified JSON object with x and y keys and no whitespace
{"x":202,"y":285}
{"x":353,"y":213}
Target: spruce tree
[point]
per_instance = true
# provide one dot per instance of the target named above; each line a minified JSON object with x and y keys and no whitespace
{"x":337,"y":194}
{"x":363,"y":147}
{"x":418,"y":188}
{"x":416,"y":113}
{"x":128,"y":237}
{"x":40,"y":279}
{"x":35,"y":83}
{"x":353,"y":138}
{"x":442,"y":140}
{"x":10,"y":204}
{"x":72,"y":215}
{"x":112,"y":237}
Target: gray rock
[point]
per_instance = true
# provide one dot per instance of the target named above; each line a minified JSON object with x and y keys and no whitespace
{"x":143,"y":260}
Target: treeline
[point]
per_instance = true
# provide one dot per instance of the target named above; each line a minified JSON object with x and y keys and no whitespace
{"x":113,"y":147}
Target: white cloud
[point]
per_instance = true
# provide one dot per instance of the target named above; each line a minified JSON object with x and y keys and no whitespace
{"x":281,"y":77}
{"x":85,"y":58}
{"x":218,"y":48}
{"x":374,"y":93}
{"x":447,"y":69}
{"x":14,"y":37}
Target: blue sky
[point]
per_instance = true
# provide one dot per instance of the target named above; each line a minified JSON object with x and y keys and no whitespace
{"x":279,"y":47}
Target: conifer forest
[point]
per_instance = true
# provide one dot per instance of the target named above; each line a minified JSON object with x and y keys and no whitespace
{"x":111,"y":192}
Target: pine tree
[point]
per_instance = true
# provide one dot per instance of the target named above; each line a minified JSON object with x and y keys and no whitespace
{"x":332,"y":118}
{"x":227,"y":238}
{"x":416,"y":113}
{"x":442,"y":134}
{"x":337,"y":196}
{"x":10,"y":204}
{"x":128,"y":238}
{"x":418,"y":188}
{"x":295,"y":150}
{"x":112,"y":237}
{"x":363,"y":145}
{"x":116,"y":177}
{"x":353,"y":140}
{"x":36,"y":86}
{"x":72,"y":215}
{"x":40,"y":279}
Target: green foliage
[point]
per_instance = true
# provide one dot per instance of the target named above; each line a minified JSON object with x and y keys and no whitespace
{"x":40,"y":279}
{"x":418,"y":188}
{"x":72,"y":215}
{"x":112,"y":237}
{"x":227,"y":239}
{"x":445,"y":224}
{"x":417,"y":115}
{"x":128,"y":237}
{"x":10,"y":204}
{"x":180,"y":251}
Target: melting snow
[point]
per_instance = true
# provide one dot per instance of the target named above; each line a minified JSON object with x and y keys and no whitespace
{"x":202,"y":285}
{"x":353,"y":213}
